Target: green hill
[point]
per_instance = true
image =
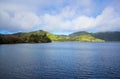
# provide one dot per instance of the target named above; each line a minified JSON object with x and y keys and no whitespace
{"x":79,"y":33}
{"x":30,"y":37}
{"x":106,"y":36}
{"x":85,"y":38}
{"x":79,"y":36}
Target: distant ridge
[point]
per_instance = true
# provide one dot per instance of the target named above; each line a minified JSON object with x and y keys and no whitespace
{"x":108,"y":36}
{"x":79,"y":33}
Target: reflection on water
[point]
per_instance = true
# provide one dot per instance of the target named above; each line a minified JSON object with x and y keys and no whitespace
{"x":60,"y":60}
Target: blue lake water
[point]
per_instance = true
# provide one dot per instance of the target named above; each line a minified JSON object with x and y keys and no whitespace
{"x":60,"y":60}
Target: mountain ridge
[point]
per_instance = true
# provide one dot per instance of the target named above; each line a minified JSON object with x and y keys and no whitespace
{"x":41,"y":36}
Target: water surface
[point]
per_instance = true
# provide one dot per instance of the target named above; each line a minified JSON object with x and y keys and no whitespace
{"x":60,"y":60}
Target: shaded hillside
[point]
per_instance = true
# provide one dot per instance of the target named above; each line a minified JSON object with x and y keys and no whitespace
{"x":108,"y":36}
{"x":39,"y":36}
{"x":8,"y":39}
{"x":30,"y":37}
{"x":79,"y":33}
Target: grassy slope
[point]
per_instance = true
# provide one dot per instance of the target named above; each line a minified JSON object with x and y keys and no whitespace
{"x":81,"y":38}
{"x":86,"y":38}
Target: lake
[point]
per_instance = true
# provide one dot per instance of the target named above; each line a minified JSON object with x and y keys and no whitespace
{"x":60,"y":60}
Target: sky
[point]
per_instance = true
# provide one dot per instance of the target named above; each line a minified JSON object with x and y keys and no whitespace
{"x":59,"y":16}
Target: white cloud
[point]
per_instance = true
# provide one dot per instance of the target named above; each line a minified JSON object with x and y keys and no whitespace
{"x":108,"y":20}
{"x":72,"y":15}
{"x":83,"y":23}
{"x":26,"y":20}
{"x":18,"y":21}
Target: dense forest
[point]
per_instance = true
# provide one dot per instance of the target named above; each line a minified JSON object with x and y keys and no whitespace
{"x":41,"y":36}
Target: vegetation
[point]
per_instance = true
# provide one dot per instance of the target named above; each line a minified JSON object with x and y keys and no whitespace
{"x":86,"y":38}
{"x":34,"y":38}
{"x":31,"y":37}
{"x":79,"y":33}
{"x":108,"y":36}
{"x":11,"y":39}
{"x":41,"y":36}
{"x":101,"y":36}
{"x":58,"y":37}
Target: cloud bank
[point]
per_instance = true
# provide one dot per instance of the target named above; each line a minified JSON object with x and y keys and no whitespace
{"x":59,"y":15}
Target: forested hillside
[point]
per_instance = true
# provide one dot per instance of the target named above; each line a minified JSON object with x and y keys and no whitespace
{"x":41,"y":36}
